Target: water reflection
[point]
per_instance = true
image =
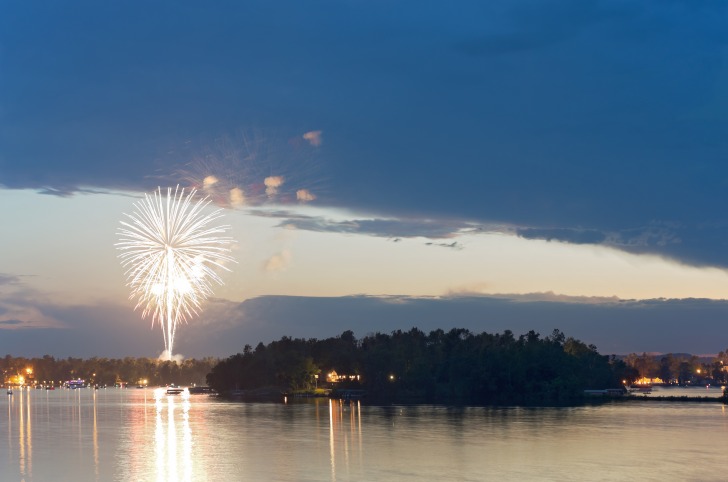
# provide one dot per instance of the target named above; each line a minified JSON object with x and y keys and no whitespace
{"x":344,"y":431}
{"x":96,"y":441}
{"x":117,"y":434}
{"x":132,"y":435}
{"x":165,"y":448}
{"x":25,"y":430}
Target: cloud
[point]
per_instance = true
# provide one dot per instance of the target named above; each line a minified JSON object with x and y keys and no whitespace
{"x":549,"y":296}
{"x":653,"y":235}
{"x":22,"y":307}
{"x":454,"y":245}
{"x":84,"y":331}
{"x":304,"y":195}
{"x":272,"y":184}
{"x":11,"y":322}
{"x":22,"y":315}
{"x":387,"y":228}
{"x":278,"y":262}
{"x":237,"y":197}
{"x":8,"y":279}
{"x":613,"y":325}
{"x":615,"y":139}
{"x":68,"y":191}
{"x":680,"y":242}
{"x":313,"y":138}
{"x":665,"y":239}
{"x":58,"y":191}
{"x":574,"y":236}
{"x":209,"y":182}
{"x":225,"y":327}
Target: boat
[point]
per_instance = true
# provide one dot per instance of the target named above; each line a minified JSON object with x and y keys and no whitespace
{"x":10,"y":391}
{"x":607,"y":392}
{"x":200,"y":390}
{"x":172,"y":390}
{"x":348,"y":394}
{"x":644,"y":389}
{"x":76,"y":383}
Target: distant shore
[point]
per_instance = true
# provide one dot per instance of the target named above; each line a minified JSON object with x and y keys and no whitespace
{"x":676,"y":398}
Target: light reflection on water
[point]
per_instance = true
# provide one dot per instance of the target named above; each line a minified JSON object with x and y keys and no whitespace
{"x":132,"y":434}
{"x":710,"y":391}
{"x":345,"y":436}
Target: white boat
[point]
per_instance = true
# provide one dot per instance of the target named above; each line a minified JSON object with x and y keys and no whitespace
{"x":76,"y":384}
{"x":644,"y":389}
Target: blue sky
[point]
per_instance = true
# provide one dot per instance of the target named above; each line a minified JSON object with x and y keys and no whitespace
{"x":565,"y":153}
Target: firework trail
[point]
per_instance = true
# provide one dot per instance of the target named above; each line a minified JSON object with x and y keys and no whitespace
{"x":252,"y":170}
{"x":171,"y":250}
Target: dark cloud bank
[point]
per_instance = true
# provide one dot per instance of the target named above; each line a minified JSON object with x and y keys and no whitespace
{"x":692,"y":325}
{"x":577,"y":120}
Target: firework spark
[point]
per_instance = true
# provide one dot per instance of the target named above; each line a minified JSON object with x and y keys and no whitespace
{"x":171,"y":250}
{"x":250,"y":169}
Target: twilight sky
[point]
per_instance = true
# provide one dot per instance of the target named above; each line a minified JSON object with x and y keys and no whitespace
{"x":514,"y":164}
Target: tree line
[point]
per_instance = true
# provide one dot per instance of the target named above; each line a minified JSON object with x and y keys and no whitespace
{"x":49,"y":370}
{"x":680,"y":368}
{"x":453,"y":366}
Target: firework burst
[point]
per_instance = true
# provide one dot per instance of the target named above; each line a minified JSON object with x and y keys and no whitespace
{"x":171,"y":251}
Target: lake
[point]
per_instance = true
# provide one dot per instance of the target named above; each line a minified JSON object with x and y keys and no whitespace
{"x":133,"y":435}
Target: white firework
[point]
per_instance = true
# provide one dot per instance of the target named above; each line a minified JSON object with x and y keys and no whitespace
{"x":171,"y":252}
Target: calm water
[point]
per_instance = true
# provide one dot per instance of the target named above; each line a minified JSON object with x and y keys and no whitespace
{"x":129,"y":435}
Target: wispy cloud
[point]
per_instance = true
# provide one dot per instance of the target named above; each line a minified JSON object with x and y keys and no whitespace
{"x":237,"y":197}
{"x":304,"y":195}
{"x":575,"y":235}
{"x":278,"y":262}
{"x":454,"y":245}
{"x":11,"y":322}
{"x":550,"y":296}
{"x":68,"y":190}
{"x":653,"y":235}
{"x":23,"y":307}
{"x":313,"y":138}
{"x":386,"y":228}
{"x":692,"y":245}
{"x":657,"y":238}
{"x":9,"y":279}
{"x":273,"y":184}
